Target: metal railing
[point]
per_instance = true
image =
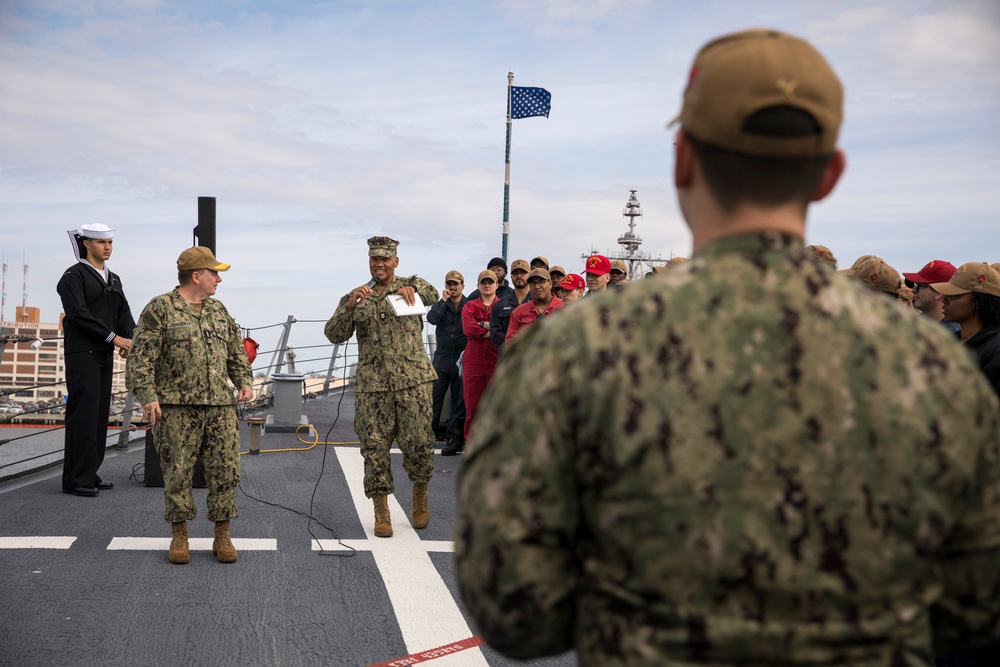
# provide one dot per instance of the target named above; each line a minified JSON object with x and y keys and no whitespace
{"x":337,"y":366}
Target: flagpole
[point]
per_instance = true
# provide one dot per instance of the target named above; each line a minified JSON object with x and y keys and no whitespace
{"x":506,"y":171}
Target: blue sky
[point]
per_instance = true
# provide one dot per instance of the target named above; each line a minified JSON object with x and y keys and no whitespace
{"x":317,"y":125}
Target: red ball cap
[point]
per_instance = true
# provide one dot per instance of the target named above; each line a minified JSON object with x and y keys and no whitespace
{"x":598,"y":265}
{"x":573,"y":281}
{"x":935,"y":271}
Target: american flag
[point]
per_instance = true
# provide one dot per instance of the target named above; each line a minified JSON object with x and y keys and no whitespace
{"x":526,"y":102}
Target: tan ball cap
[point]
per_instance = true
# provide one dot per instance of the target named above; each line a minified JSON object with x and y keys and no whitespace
{"x":879,"y":276}
{"x":971,"y":277}
{"x":520,"y":265}
{"x":735,"y":76}
{"x":822,"y":253}
{"x":199,"y":257}
{"x":539,"y":273}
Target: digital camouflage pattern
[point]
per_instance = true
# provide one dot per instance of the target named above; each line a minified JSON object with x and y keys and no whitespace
{"x":403,"y":416}
{"x":181,"y":357}
{"x":745,"y":460}
{"x":393,"y":387}
{"x":186,"y":360}
{"x":391,"y":352}
{"x":183,"y":435}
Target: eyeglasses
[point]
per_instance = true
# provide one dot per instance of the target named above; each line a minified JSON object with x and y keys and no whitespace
{"x":538,"y":283}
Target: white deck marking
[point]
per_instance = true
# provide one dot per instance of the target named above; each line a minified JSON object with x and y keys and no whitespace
{"x":363,"y":545}
{"x":194,"y":544}
{"x":35,"y":542}
{"x":427,"y":614}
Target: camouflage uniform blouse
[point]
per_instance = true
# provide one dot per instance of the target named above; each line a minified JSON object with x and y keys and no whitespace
{"x":391,"y":352}
{"x":179,"y":357}
{"x":746,"y":460}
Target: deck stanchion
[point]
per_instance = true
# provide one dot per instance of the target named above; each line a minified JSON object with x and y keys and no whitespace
{"x":255,"y":426}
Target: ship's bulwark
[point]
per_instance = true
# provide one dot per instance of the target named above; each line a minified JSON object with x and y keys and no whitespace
{"x":111,"y":598}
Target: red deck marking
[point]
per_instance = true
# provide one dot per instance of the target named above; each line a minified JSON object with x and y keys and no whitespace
{"x":431,"y":654}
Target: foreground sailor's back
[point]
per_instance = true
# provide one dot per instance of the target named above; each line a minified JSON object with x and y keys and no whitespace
{"x":747,"y":460}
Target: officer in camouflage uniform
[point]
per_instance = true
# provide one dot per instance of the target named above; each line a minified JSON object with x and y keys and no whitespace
{"x":185,"y":351}
{"x":746,"y":460}
{"x":394,"y":379}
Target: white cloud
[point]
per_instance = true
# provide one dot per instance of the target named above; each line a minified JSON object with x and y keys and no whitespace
{"x":948,"y":41}
{"x":573,"y":11}
{"x":844,"y":26}
{"x":318,"y":125}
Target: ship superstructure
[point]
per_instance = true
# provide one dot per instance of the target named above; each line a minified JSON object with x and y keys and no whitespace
{"x":639,"y":263}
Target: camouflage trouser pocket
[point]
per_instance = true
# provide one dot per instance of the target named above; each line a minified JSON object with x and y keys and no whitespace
{"x":186,"y":434}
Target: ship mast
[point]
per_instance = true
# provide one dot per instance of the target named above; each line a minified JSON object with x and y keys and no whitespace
{"x":631,"y":241}
{"x":635,"y":260}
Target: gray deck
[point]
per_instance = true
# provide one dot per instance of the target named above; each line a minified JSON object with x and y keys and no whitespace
{"x":282,"y":603}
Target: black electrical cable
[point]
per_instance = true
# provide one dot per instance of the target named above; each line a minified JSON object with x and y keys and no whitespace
{"x":312,"y":499}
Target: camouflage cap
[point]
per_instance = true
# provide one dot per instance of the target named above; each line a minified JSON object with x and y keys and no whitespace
{"x":557,"y":269}
{"x":996,"y":266}
{"x":824,"y":254}
{"x":486,"y":274}
{"x":455,"y":276}
{"x":971,"y":277}
{"x":619,"y":265}
{"x":382,"y":246}
{"x":541,"y":260}
{"x":879,"y":276}
{"x":737,"y":75}
{"x":199,"y":257}
{"x":520,"y":265}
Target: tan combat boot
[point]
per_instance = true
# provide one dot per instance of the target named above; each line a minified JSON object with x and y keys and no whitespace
{"x":179,"y":543}
{"x":223,"y":547}
{"x":383,"y":524}
{"x":421,"y":508}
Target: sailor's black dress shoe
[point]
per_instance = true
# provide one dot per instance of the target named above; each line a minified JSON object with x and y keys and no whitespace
{"x":104,"y":486}
{"x":86,"y":491}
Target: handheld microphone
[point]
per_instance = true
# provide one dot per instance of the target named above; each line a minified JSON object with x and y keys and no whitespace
{"x":372,"y":283}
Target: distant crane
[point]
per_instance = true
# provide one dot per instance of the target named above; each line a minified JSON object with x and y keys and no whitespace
{"x":24,"y":290}
{"x":3,"y":288}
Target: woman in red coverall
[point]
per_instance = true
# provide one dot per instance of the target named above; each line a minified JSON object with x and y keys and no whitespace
{"x":480,"y":358}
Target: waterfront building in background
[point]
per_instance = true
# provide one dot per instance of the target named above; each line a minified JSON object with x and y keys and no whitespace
{"x":29,"y":375}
